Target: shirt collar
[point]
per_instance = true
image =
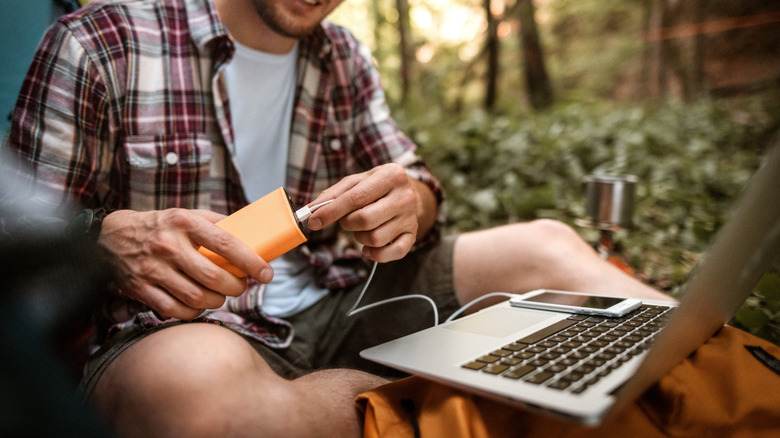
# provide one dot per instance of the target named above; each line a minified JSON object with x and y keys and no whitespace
{"x":321,"y":43}
{"x":204,"y":23}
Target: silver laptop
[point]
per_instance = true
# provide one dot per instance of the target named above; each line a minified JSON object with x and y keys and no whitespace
{"x":533,"y":358}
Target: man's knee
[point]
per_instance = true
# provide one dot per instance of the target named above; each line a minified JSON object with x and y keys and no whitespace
{"x":557,"y":232}
{"x":182,"y":380}
{"x":547,"y":236}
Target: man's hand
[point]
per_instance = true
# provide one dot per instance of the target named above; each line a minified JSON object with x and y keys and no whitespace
{"x":385,"y":209}
{"x":158,"y":258}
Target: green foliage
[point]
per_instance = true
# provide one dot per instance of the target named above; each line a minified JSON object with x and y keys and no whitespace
{"x":691,"y":161}
{"x":760,"y":314}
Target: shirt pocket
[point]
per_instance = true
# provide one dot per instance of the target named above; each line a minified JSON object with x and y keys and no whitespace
{"x":168,"y":171}
{"x":337,"y":143}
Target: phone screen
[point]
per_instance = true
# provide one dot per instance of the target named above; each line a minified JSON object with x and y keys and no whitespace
{"x":588,"y":301}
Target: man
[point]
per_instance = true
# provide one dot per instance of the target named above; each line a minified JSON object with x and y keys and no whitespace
{"x":165,"y":109}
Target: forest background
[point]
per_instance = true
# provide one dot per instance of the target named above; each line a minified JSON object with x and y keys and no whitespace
{"x":514,"y":103}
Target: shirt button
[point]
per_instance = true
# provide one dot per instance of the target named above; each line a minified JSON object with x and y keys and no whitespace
{"x":335,"y":144}
{"x":171,"y":158}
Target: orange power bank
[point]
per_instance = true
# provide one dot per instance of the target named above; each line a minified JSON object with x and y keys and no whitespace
{"x":268,"y":226}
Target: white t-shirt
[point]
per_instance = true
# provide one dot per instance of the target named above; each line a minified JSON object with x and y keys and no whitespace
{"x":261,"y":89}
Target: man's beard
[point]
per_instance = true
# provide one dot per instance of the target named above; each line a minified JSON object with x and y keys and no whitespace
{"x":281,"y":23}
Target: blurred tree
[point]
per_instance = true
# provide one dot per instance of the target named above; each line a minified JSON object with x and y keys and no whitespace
{"x":378,"y":22}
{"x":405,"y":49}
{"x":492,"y":46}
{"x":537,"y":81}
{"x":655,"y":62}
{"x":697,"y":76}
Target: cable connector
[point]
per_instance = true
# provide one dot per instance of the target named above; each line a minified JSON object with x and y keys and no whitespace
{"x":304,"y":212}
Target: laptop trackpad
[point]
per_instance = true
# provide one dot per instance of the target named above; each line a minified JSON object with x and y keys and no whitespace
{"x":500,"y":322}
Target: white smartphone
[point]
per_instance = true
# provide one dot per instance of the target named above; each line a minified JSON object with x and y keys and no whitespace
{"x":573,"y":302}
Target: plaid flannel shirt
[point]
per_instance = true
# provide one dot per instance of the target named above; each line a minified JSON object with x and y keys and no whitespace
{"x":125,"y":107}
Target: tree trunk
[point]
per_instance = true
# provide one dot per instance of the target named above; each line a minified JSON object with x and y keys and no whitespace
{"x":405,"y":49}
{"x":697,"y":56}
{"x":657,"y":64}
{"x":379,"y":21}
{"x":492,"y":47}
{"x":537,"y":81}
{"x":645,"y":89}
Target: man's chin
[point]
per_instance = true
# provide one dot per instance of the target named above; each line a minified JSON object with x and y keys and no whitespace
{"x":296,"y":32}
{"x":293,"y":19}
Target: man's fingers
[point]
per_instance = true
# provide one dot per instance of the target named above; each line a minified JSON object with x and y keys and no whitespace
{"x":386,"y":233}
{"x":163,"y":304}
{"x":396,"y":208}
{"x":352,"y":194}
{"x":193,"y":295}
{"x":210,"y":216}
{"x":158,"y":257}
{"x":394,"y":251}
{"x":231,"y":248}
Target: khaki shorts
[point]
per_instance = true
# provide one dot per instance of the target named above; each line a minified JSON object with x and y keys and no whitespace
{"x":324,"y":336}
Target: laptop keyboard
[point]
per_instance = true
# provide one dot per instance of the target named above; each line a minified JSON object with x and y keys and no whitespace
{"x":577,"y":352}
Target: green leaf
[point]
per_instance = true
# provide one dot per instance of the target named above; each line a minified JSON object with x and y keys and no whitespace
{"x":752,"y":319}
{"x":768,"y":288}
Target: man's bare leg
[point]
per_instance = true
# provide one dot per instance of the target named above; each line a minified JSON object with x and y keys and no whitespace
{"x":205,"y":380}
{"x":540,"y":254}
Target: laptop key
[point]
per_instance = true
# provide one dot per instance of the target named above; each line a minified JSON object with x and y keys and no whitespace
{"x":547,"y":331}
{"x":495,"y":369}
{"x":642,"y":332}
{"x":515,"y":346}
{"x":475,"y":365}
{"x":572,"y":376}
{"x":556,"y":367}
{"x":488,"y":358}
{"x":538,"y":362}
{"x":516,"y":373}
{"x":540,"y":377}
{"x":604,"y":372}
{"x":560,"y":384}
{"x":595,"y":362}
{"x":511,"y":361}
{"x":584,"y":369}
{"x":579,"y":390}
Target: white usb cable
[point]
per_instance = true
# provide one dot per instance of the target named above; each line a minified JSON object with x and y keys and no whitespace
{"x":355,"y":310}
{"x":305,"y":212}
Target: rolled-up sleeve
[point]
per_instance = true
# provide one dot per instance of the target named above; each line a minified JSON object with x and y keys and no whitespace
{"x":381,"y":139}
